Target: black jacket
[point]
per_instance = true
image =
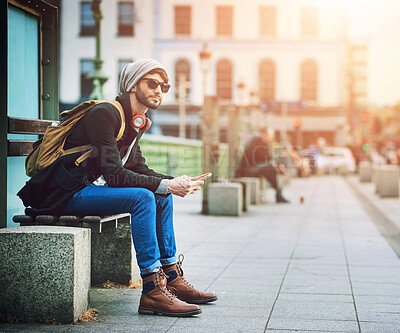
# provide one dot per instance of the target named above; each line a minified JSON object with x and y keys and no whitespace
{"x":257,"y":152}
{"x":49,"y":191}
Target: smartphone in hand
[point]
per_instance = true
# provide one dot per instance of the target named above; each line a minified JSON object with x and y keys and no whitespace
{"x":205,"y":176}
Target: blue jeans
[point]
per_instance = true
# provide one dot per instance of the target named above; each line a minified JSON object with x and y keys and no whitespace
{"x":151,"y":217}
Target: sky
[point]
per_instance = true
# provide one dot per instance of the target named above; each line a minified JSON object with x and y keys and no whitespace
{"x":378,"y":21}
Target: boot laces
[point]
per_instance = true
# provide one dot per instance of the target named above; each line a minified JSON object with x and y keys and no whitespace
{"x":180,"y":271}
{"x":164,"y":289}
{"x":187,"y":282}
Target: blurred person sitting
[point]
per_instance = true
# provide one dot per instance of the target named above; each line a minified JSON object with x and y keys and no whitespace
{"x":257,"y":162}
{"x":302,"y":164}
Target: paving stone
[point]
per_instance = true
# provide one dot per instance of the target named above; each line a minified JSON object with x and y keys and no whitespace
{"x":389,"y":289}
{"x":310,"y":325}
{"x":293,"y":297}
{"x":253,"y":286}
{"x":389,"y":299}
{"x":231,"y":311}
{"x":215,"y":324}
{"x":206,"y":329}
{"x":309,"y":310}
{"x":245,"y":299}
{"x":374,"y":327}
{"x":333,"y":288}
{"x":301,"y":331}
{"x":375,"y":316}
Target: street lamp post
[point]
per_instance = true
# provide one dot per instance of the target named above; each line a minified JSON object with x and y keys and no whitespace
{"x":241,"y":88}
{"x":183,"y":85}
{"x":256,"y":122}
{"x":205,"y":56}
{"x":235,"y":130}
{"x":97,"y":76}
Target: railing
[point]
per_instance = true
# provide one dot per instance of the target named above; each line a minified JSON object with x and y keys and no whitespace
{"x":177,"y":156}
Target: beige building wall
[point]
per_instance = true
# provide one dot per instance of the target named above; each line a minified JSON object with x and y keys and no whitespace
{"x":113,"y":48}
{"x":246,"y":48}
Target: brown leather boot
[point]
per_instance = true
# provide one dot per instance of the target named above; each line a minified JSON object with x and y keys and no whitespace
{"x":182,"y":289}
{"x":161,"y":301}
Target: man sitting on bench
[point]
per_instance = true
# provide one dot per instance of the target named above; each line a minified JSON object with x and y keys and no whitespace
{"x":257,"y":162}
{"x":125,"y":184}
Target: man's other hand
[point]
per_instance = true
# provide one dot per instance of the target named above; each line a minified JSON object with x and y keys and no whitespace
{"x":281,"y":169}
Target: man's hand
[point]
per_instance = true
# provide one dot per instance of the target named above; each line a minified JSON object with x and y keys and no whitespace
{"x":184,"y":185}
{"x":281,"y":169}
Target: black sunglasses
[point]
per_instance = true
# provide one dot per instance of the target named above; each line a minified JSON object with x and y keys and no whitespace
{"x":153,"y":84}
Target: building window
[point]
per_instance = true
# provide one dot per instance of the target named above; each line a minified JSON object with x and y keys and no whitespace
{"x":125,"y":18}
{"x":86,"y":84}
{"x":183,"y":20}
{"x":224,"y":79}
{"x":224,"y":20}
{"x":309,"y":22}
{"x":182,"y":67}
{"x":88,"y":24}
{"x":267,"y":80}
{"x":267,"y":15}
{"x":309,"y":74}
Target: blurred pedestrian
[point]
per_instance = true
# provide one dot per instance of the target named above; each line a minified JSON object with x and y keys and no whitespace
{"x":257,"y":161}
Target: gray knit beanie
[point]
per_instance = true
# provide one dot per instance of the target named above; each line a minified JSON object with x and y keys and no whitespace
{"x":133,"y":72}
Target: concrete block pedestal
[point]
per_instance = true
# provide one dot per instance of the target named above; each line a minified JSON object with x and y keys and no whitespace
{"x":365,"y":171}
{"x":114,"y":256}
{"x":225,"y":199}
{"x":246,"y":195}
{"x":254,"y":185}
{"x":387,"y":181}
{"x":45,"y":272}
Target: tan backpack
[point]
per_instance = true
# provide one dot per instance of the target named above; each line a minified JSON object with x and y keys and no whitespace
{"x":51,"y":146}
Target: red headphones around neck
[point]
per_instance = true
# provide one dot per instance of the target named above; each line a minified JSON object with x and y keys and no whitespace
{"x":140,"y":121}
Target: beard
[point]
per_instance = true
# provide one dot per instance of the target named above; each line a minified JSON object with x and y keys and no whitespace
{"x":142,"y":98}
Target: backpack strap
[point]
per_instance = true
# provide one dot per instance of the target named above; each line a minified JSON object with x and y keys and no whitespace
{"x":89,"y":148}
{"x":122,"y":114}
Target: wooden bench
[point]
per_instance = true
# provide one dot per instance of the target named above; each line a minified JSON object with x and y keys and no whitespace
{"x":108,"y":233}
{"x":93,"y":222}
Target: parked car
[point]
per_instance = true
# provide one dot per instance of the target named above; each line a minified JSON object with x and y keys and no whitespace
{"x":336,"y":160}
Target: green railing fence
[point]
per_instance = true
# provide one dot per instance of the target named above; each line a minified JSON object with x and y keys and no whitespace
{"x":177,"y":156}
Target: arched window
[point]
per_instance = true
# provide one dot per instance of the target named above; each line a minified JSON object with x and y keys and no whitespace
{"x":224,"y":79}
{"x":182,"y":67}
{"x":266,"y":74}
{"x":308,"y":83}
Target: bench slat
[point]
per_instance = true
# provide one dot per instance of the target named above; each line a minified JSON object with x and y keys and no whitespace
{"x":69,"y":219}
{"x":91,"y":219}
{"x":27,"y":126}
{"x":19,"y":147}
{"x":22,"y":219}
{"x":46,"y":219}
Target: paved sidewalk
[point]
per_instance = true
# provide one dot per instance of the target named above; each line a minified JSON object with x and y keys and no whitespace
{"x":321,"y":266}
{"x":384,"y":211}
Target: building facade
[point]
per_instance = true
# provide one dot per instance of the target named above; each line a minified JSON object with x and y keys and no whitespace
{"x":281,"y":56}
{"x":284,"y":49}
{"x":127,"y":31}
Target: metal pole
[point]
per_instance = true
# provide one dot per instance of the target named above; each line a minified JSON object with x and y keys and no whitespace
{"x":98,"y":76}
{"x":210,"y":143}
{"x":233,"y":140}
{"x":182,"y":105}
{"x":284,"y":112}
{"x":3,"y":114}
